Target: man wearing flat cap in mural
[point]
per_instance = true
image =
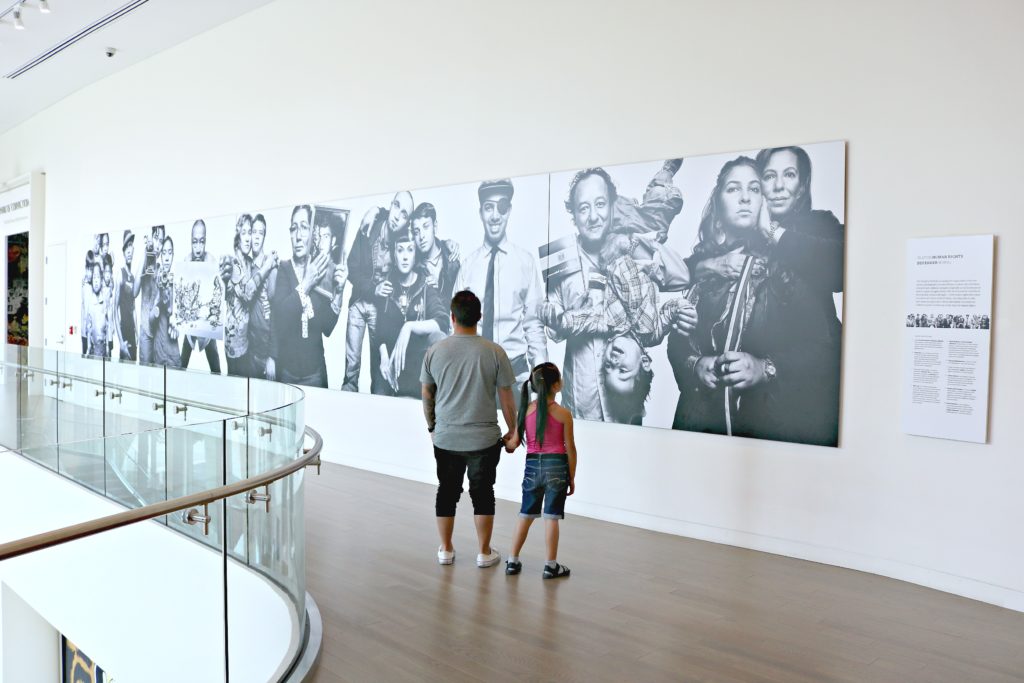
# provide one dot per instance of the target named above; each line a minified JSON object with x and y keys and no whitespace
{"x":507,"y":280}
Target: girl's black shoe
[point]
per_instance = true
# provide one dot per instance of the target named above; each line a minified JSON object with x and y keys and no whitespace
{"x":513,"y":567}
{"x":556,"y":572}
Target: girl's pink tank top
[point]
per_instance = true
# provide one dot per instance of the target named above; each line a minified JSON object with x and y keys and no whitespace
{"x":554,"y":435}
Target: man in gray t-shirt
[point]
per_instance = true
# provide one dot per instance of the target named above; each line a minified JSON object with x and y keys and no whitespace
{"x":461,"y":376}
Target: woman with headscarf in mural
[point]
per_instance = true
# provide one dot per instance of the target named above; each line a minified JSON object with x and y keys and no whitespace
{"x":763,"y":360}
{"x":302,"y":317}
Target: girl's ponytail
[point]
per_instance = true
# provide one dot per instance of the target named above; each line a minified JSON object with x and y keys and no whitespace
{"x":541,"y":388}
{"x":524,"y":403}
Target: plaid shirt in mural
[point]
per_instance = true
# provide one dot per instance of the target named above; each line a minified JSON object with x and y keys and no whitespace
{"x":630,"y":305}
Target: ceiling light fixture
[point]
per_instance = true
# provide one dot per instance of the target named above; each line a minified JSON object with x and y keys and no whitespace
{"x":17,"y":18}
{"x":44,"y":6}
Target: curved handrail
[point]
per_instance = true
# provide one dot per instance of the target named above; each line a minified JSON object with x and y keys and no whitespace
{"x":311,"y":456}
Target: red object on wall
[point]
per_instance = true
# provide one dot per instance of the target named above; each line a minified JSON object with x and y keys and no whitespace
{"x":71,"y":329}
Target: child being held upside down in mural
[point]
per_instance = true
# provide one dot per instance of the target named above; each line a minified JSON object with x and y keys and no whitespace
{"x":629,"y":314}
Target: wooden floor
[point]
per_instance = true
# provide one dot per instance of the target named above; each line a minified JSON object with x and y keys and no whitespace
{"x":640,"y":606}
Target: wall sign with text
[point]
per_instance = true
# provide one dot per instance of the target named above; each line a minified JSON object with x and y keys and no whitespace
{"x":948,"y":337}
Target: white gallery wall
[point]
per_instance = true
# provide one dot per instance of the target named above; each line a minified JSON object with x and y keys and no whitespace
{"x":306,"y":100}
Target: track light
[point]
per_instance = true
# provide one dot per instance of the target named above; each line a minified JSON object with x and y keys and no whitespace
{"x":44,"y":6}
{"x":17,"y":19}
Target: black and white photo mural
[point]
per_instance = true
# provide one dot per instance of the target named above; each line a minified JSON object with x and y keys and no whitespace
{"x":702,"y":294}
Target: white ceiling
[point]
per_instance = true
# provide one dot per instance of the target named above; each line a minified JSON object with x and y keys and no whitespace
{"x":153,"y":26}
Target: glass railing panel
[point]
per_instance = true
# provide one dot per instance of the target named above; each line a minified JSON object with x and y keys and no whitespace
{"x":134,"y":398}
{"x":37,"y":400}
{"x":11,"y":376}
{"x":135,"y":464}
{"x":277,"y":536}
{"x":276,"y":428}
{"x":265,"y":396}
{"x":237,"y":447}
{"x":80,"y":461}
{"x":275,"y":531}
{"x":194,"y":396}
{"x":195,"y":462}
{"x":256,"y":445}
{"x":46,"y":455}
{"x":79,"y":394}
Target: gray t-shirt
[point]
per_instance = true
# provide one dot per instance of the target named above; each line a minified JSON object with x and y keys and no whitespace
{"x":468,"y":370}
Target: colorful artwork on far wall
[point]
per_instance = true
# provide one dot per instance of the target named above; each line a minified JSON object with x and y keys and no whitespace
{"x":17,"y":289}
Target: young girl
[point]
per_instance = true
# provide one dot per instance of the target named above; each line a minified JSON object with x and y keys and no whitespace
{"x":546,"y":429}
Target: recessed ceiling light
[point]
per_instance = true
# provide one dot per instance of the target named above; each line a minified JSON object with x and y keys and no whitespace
{"x":17,"y":19}
{"x":44,"y":6}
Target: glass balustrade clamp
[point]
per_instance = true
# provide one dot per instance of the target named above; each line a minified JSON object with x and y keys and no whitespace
{"x":192,"y":516}
{"x":255,"y":496}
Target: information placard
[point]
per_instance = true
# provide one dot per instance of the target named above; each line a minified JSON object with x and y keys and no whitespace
{"x":947,"y":337}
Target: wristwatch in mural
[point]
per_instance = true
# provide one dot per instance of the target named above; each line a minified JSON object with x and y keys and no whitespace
{"x":769,"y":370}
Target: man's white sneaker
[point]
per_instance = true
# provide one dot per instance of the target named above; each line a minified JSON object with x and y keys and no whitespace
{"x":445,"y":556}
{"x":489,"y":560}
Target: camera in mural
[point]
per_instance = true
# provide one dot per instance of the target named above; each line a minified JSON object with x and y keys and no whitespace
{"x":700,"y":294}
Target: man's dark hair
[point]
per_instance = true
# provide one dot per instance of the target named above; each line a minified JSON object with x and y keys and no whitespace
{"x":424,"y":210}
{"x":466,"y":308}
{"x":613,"y":192}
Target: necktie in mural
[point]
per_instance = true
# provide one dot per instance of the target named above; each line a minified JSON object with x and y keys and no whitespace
{"x":488,"y":327}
